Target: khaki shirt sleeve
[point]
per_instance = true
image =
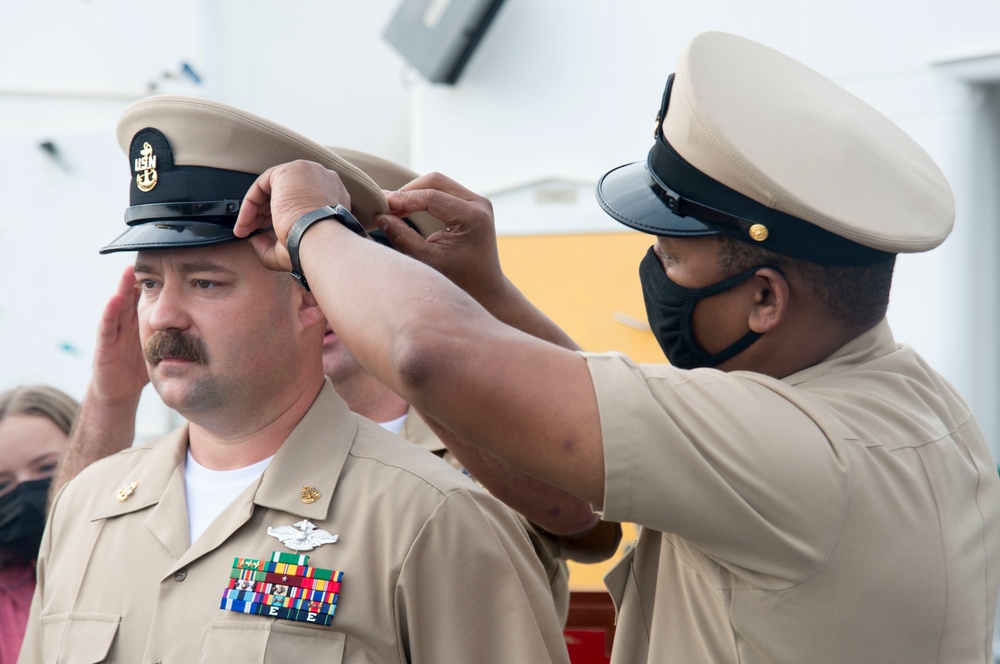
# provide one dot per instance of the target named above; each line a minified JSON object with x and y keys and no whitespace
{"x":739,"y":464}
{"x":451,"y":613}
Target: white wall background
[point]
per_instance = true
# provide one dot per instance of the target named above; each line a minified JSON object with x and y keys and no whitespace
{"x":557,"y":89}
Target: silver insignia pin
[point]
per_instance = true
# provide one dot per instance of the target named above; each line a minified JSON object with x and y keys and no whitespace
{"x":306,"y":539}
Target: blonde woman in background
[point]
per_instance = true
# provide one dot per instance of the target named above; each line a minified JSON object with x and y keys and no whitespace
{"x":34,"y":426}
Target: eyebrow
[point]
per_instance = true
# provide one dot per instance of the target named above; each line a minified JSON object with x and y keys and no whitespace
{"x":186,"y":268}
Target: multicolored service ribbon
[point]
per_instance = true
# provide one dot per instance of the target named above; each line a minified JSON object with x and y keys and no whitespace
{"x":283,"y":587}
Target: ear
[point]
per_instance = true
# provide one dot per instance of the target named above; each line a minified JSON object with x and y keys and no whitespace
{"x":309,"y":312}
{"x":771,"y":300}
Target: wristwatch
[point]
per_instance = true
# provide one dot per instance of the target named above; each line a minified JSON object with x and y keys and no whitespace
{"x":298,"y":229}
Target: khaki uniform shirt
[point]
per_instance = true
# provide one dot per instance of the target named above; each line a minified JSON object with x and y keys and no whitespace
{"x":547,"y":547}
{"x":848,"y":513}
{"x":434,"y":569}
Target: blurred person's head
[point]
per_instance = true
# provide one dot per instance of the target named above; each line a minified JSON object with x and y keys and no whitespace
{"x":35,"y":422}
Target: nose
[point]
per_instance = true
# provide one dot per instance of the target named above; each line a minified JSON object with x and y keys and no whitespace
{"x":168,"y":311}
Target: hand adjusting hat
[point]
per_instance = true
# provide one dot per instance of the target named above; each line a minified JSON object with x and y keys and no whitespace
{"x":390,"y":176}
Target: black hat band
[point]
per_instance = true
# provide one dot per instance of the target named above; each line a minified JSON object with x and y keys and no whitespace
{"x":187,"y":184}
{"x":740,"y":216}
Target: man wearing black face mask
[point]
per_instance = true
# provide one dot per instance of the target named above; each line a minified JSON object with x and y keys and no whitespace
{"x":670,"y":309}
{"x":34,"y":426}
{"x":808,"y":489}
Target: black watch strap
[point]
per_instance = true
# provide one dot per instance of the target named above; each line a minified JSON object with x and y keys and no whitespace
{"x":298,"y":229}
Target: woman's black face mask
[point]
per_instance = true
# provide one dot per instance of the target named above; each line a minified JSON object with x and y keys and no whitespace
{"x":669,"y":308}
{"x":22,"y":518}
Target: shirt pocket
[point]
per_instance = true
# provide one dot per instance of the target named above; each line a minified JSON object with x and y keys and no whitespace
{"x":78,"y":638}
{"x":269,"y":642}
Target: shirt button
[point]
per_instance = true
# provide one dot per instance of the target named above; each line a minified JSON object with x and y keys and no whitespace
{"x":180,"y":575}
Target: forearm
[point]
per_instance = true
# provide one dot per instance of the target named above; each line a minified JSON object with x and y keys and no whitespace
{"x":100,"y":430}
{"x":548,"y":507}
{"x":508,"y":304}
{"x":526,"y":401}
{"x":520,"y":399}
{"x":106,"y":421}
{"x":399,"y":307}
{"x":579,"y":533}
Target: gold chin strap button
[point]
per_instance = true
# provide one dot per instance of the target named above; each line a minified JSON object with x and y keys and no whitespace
{"x":309,"y":494}
{"x":758,"y":232}
{"x":125,"y":490}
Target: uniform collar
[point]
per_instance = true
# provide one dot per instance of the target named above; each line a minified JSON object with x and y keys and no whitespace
{"x":311,"y":459}
{"x":150,"y":476}
{"x":325,"y":433}
{"x":867,"y":346}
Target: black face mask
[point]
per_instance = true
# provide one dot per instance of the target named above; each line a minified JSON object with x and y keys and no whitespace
{"x":22,"y":518}
{"x":669,"y":308}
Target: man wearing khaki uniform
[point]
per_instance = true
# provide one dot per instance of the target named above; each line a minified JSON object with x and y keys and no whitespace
{"x":276,"y":525}
{"x":808,"y":489}
{"x":107,"y":423}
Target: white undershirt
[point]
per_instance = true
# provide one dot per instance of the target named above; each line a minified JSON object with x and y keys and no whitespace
{"x":209,"y":492}
{"x":395,"y":425}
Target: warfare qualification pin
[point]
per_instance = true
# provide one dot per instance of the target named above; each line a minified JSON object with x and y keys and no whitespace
{"x":306,"y":539}
{"x":125,"y":490}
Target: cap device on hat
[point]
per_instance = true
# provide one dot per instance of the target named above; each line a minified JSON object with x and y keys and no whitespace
{"x":753,"y":144}
{"x":192,"y":162}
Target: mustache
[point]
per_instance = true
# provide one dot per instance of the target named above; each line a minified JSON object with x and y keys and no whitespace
{"x":174,"y":346}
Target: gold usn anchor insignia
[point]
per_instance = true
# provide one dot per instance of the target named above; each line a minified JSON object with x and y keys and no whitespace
{"x":145,"y":168}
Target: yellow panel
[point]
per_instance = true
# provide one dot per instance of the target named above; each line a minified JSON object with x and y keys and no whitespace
{"x":588,"y":285}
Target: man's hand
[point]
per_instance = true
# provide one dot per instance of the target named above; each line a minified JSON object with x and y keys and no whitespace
{"x":119,"y":367}
{"x":279,"y":197}
{"x":466,"y":252}
{"x":106,"y":423}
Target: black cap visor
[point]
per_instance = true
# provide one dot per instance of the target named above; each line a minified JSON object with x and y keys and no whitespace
{"x":170,"y":235}
{"x":177,"y":225}
{"x":631,"y":195}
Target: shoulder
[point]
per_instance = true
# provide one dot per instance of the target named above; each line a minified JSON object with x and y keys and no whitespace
{"x":379,"y":453}
{"x":148,"y":465}
{"x":411,"y":486}
{"x":162,"y":448}
{"x":677,"y":402}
